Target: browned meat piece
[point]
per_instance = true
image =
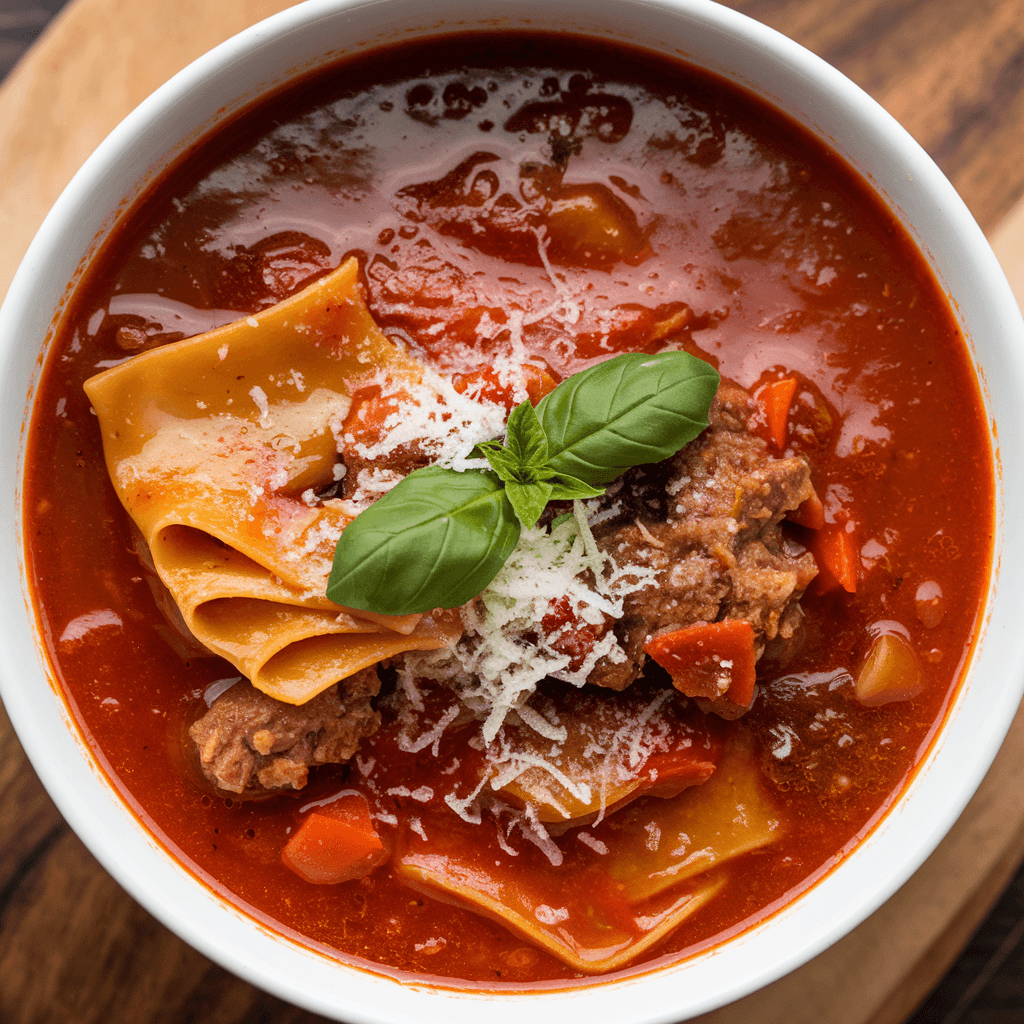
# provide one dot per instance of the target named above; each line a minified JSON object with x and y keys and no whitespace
{"x":368,"y":473}
{"x":708,"y":521}
{"x":364,"y":478}
{"x":249,"y":743}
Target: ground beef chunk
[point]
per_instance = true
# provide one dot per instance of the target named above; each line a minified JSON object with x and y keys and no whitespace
{"x":367,"y":475}
{"x":249,"y":743}
{"x":367,"y":479}
{"x":708,"y":521}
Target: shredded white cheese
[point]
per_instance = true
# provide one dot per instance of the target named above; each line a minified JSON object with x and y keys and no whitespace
{"x":503,"y":655}
{"x":593,"y":842}
{"x":431,"y":417}
{"x":550,"y":915}
{"x":259,"y":397}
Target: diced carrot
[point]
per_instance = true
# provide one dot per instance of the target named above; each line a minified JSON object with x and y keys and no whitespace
{"x":336,"y":843}
{"x":709,"y":659}
{"x":775,"y":400}
{"x":834,"y":547}
{"x":809,"y":513}
{"x":485,"y":383}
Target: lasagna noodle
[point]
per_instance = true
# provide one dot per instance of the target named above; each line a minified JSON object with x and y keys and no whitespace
{"x":212,"y":442}
{"x":661,"y":860}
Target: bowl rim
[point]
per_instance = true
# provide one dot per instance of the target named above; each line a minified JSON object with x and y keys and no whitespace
{"x":88,"y":801}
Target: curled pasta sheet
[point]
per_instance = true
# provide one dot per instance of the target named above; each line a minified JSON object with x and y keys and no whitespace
{"x":211,"y":443}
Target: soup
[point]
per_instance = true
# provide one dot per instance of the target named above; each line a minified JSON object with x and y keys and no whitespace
{"x":516,"y":212}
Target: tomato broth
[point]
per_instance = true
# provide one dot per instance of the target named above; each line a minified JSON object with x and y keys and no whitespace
{"x":461,"y":172}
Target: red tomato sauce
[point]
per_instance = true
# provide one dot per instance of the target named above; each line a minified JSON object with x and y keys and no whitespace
{"x":719,"y":223}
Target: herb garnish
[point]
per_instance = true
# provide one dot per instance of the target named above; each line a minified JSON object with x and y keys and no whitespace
{"x":523,"y":465}
{"x":440,"y":536}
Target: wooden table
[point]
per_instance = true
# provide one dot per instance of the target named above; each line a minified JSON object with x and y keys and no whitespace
{"x":73,"y":947}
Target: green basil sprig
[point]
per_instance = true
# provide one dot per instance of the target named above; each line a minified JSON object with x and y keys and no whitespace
{"x":522,"y":464}
{"x":440,"y":536}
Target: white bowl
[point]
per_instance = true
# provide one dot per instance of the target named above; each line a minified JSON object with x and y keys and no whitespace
{"x":796,"y":81}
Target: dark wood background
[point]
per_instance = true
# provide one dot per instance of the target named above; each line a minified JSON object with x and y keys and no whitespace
{"x":74,"y":948}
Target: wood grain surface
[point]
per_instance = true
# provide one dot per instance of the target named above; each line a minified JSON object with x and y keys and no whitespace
{"x":74,"y":947}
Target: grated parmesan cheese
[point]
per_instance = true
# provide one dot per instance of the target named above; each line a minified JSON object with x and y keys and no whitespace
{"x":550,"y":915}
{"x":501,"y":658}
{"x":434,"y":417}
{"x":593,"y":842}
{"x":259,"y":397}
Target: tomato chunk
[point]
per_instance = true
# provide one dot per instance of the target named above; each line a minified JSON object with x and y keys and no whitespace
{"x":485,"y":383}
{"x":374,"y":410}
{"x":336,"y":843}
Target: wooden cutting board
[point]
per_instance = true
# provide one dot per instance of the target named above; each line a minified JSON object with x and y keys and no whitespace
{"x":73,"y":946}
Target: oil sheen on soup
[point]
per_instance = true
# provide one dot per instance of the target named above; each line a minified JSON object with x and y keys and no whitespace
{"x":684,"y":697}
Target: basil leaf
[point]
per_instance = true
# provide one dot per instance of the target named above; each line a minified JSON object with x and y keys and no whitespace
{"x":436,"y":540}
{"x":565,"y":488}
{"x":628,"y":411}
{"x":524,"y":437}
{"x":502,"y":461}
{"x":528,"y":500}
{"x":521,"y":460}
